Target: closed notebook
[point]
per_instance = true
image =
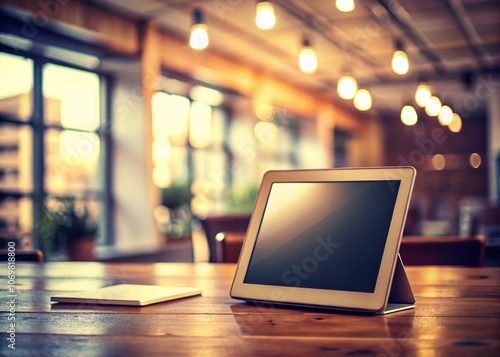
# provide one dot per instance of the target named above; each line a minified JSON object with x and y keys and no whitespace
{"x":127,"y":294}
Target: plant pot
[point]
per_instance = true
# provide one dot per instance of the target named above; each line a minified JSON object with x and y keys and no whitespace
{"x":81,"y":249}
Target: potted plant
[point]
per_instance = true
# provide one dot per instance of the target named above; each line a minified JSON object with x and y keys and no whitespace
{"x":66,"y":226}
{"x":242,"y":198}
{"x":177,"y":199}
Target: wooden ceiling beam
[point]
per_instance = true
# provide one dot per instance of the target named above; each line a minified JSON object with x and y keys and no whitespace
{"x":81,"y":19}
{"x":211,"y":67}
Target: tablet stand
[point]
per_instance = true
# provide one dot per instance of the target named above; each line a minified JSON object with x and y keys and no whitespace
{"x":401,"y":296}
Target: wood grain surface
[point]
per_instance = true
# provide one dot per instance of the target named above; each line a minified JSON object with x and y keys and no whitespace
{"x":457,"y":314}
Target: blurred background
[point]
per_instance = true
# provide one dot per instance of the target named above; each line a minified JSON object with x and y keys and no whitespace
{"x":150,"y":116}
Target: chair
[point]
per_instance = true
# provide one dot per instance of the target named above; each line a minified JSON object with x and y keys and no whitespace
{"x":32,"y":255}
{"x":229,"y":246}
{"x":222,"y":223}
{"x":456,"y":251}
{"x":487,"y":222}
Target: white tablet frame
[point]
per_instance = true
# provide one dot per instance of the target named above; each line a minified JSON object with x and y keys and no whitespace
{"x":390,"y":267}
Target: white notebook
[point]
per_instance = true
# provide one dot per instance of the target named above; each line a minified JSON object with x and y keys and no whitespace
{"x":127,"y":294}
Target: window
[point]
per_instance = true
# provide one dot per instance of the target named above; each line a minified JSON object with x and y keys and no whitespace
{"x":16,"y":147}
{"x":261,"y":145}
{"x":209,"y":158}
{"x":72,"y":146}
{"x":51,"y":140}
{"x":189,"y":152}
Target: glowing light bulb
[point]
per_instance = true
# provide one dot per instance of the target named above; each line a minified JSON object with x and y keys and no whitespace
{"x":345,"y":5}
{"x":475,"y":160}
{"x":363,"y":100}
{"x":400,"y":64}
{"x":456,"y":123}
{"x":264,"y":16}
{"x":265,"y":112}
{"x":198,"y":39}
{"x":422,"y":95}
{"x":433,"y":106}
{"x":347,"y":87}
{"x":308,"y":62}
{"x":445,"y":115}
{"x":438,"y":161}
{"x":409,"y":115}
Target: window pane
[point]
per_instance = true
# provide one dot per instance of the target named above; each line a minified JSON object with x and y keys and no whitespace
{"x":210,"y":166}
{"x":160,"y":113}
{"x":71,"y":97}
{"x":170,"y":164}
{"x":16,"y":86}
{"x":16,"y":157}
{"x":71,"y":161}
{"x":218,"y":127}
{"x":178,"y":164}
{"x":200,"y":125}
{"x":210,"y":181}
{"x":16,"y":220}
{"x":170,"y":117}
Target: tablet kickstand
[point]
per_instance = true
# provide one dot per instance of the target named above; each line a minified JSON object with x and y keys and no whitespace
{"x":401,"y":296}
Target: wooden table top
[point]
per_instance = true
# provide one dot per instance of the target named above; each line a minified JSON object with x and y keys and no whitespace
{"x":457,"y":314}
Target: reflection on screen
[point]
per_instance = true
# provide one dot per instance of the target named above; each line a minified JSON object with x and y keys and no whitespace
{"x":323,"y":235}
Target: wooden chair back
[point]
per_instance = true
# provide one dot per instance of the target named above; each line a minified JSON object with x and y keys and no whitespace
{"x":212,"y":225}
{"x":446,"y":250}
{"x":229,"y":246}
{"x":487,"y":223}
{"x":414,"y":251}
{"x":31,"y":255}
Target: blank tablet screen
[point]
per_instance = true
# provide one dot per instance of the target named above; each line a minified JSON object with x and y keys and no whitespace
{"x":323,"y":235}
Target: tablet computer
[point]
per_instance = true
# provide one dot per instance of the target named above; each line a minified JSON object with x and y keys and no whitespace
{"x":328,"y":238}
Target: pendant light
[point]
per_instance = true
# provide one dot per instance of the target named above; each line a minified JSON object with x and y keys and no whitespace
{"x":347,"y":87}
{"x":362,"y":100}
{"x":475,"y":160}
{"x":400,"y":64}
{"x":433,"y":106}
{"x":423,"y":94}
{"x":345,"y":5}
{"x":308,"y":62}
{"x":456,"y":123}
{"x":445,"y":115}
{"x":199,"y":35}
{"x":264,"y":15}
{"x":409,"y":115}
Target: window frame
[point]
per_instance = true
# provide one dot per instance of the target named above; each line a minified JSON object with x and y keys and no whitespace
{"x":39,"y":128}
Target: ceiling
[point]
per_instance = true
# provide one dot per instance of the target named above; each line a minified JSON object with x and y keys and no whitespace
{"x":454,"y":44}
